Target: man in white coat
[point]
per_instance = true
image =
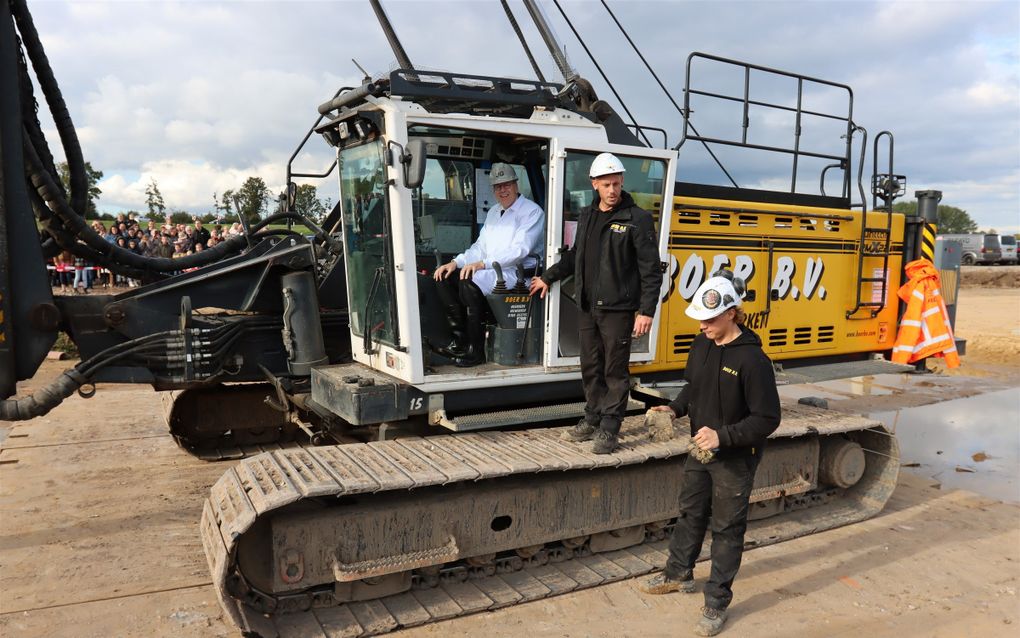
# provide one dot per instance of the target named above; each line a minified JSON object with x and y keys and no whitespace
{"x":513,"y":234}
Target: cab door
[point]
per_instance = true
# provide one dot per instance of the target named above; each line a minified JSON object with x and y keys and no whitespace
{"x":649,"y":178}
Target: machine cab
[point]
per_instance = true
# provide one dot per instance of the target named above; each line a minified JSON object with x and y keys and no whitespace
{"x":395,"y":237}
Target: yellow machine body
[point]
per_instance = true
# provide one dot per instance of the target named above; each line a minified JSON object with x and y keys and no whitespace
{"x":801,"y":268}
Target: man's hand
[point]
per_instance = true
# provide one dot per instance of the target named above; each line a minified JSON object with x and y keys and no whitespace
{"x":707,"y":439}
{"x":467,"y":271}
{"x":538,"y":286}
{"x":444,"y":271}
{"x":662,"y":408}
{"x":642,"y":324}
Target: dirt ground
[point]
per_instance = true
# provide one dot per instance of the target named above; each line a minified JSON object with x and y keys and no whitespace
{"x":989,"y":319}
{"x":99,"y":511}
{"x":990,"y":276}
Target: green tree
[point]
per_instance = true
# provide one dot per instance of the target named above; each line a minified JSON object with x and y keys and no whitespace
{"x":252,"y":198}
{"x":950,"y":218}
{"x":180,"y":217}
{"x":225,"y":205}
{"x":307,"y":202}
{"x":154,"y":200}
{"x":93,"y":179}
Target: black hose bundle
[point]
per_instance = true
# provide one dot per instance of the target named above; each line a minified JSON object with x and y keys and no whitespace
{"x":155,"y":349}
{"x":70,"y":380}
{"x":44,"y":400}
{"x":59,"y":210}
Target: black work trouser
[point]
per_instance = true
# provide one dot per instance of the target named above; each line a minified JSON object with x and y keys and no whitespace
{"x":605,"y":355}
{"x":715,"y":495}
{"x":463,"y":294}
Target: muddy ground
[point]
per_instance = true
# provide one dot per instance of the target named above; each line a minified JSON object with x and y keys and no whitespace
{"x":99,"y":511}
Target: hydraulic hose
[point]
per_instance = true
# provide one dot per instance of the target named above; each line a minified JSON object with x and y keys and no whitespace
{"x":69,"y":381}
{"x":42,"y":174}
{"x":320,"y":234}
{"x":58,"y":108}
{"x":48,"y":190}
{"x":45,"y":399}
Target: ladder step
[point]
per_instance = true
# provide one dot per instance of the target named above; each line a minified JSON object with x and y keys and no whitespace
{"x":884,"y":231}
{"x":872,"y":279}
{"x":490,"y":420}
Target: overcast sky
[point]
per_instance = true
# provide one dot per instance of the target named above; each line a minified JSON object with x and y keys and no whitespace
{"x":200,"y":95}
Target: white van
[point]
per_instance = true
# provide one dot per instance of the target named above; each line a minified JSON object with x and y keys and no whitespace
{"x":978,"y":248}
{"x":1008,"y":245}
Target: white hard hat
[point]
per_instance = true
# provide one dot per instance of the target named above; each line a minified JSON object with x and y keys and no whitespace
{"x":719,"y":293}
{"x":606,"y":164}
{"x":501,"y":174}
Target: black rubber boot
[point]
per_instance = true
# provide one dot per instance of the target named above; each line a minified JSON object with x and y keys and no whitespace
{"x":449,"y":293}
{"x":475,"y":352}
{"x":455,"y":317}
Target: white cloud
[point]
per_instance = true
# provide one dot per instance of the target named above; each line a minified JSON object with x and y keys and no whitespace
{"x":201,"y":95}
{"x":185,"y":185}
{"x":989,"y":95}
{"x":913,"y":19}
{"x":990,"y":201}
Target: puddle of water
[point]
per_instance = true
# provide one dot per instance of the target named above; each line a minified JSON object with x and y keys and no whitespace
{"x":802,"y":390}
{"x":870,"y":385}
{"x":857,"y":387}
{"x":978,"y":434}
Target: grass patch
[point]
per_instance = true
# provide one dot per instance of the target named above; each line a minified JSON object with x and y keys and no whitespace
{"x":64,"y":344}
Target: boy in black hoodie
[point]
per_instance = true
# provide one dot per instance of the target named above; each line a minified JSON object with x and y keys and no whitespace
{"x":733,"y":404}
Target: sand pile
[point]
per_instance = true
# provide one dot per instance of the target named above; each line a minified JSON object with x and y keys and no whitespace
{"x":990,"y":277}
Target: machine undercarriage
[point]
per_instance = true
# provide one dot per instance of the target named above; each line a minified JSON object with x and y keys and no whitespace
{"x":373,"y":537}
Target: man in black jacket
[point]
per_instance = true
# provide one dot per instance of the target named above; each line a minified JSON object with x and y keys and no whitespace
{"x":733,"y":404}
{"x":615,"y":264}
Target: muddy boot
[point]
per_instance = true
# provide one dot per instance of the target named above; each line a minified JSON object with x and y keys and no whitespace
{"x":603,"y":442}
{"x":583,"y":431}
{"x":661,"y":583}
{"x":711,"y":621}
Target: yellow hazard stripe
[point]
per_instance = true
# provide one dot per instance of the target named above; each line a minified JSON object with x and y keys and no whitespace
{"x":948,"y":279}
{"x":928,"y":242}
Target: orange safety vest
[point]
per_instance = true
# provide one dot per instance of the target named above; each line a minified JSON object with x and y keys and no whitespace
{"x":924,"y":329}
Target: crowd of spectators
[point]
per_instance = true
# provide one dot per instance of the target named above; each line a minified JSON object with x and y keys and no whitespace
{"x":147,"y":238}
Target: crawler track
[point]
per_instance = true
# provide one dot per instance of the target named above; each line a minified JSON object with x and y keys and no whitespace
{"x":363,"y":539}
{"x":196,"y":419}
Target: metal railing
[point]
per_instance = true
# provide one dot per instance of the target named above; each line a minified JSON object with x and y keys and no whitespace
{"x":747,"y":101}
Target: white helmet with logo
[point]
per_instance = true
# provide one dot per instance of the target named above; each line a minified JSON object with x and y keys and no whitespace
{"x":719,"y":293}
{"x":501,"y":174}
{"x":606,"y":164}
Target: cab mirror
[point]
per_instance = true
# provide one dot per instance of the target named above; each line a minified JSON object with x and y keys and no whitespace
{"x":414,"y":164}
